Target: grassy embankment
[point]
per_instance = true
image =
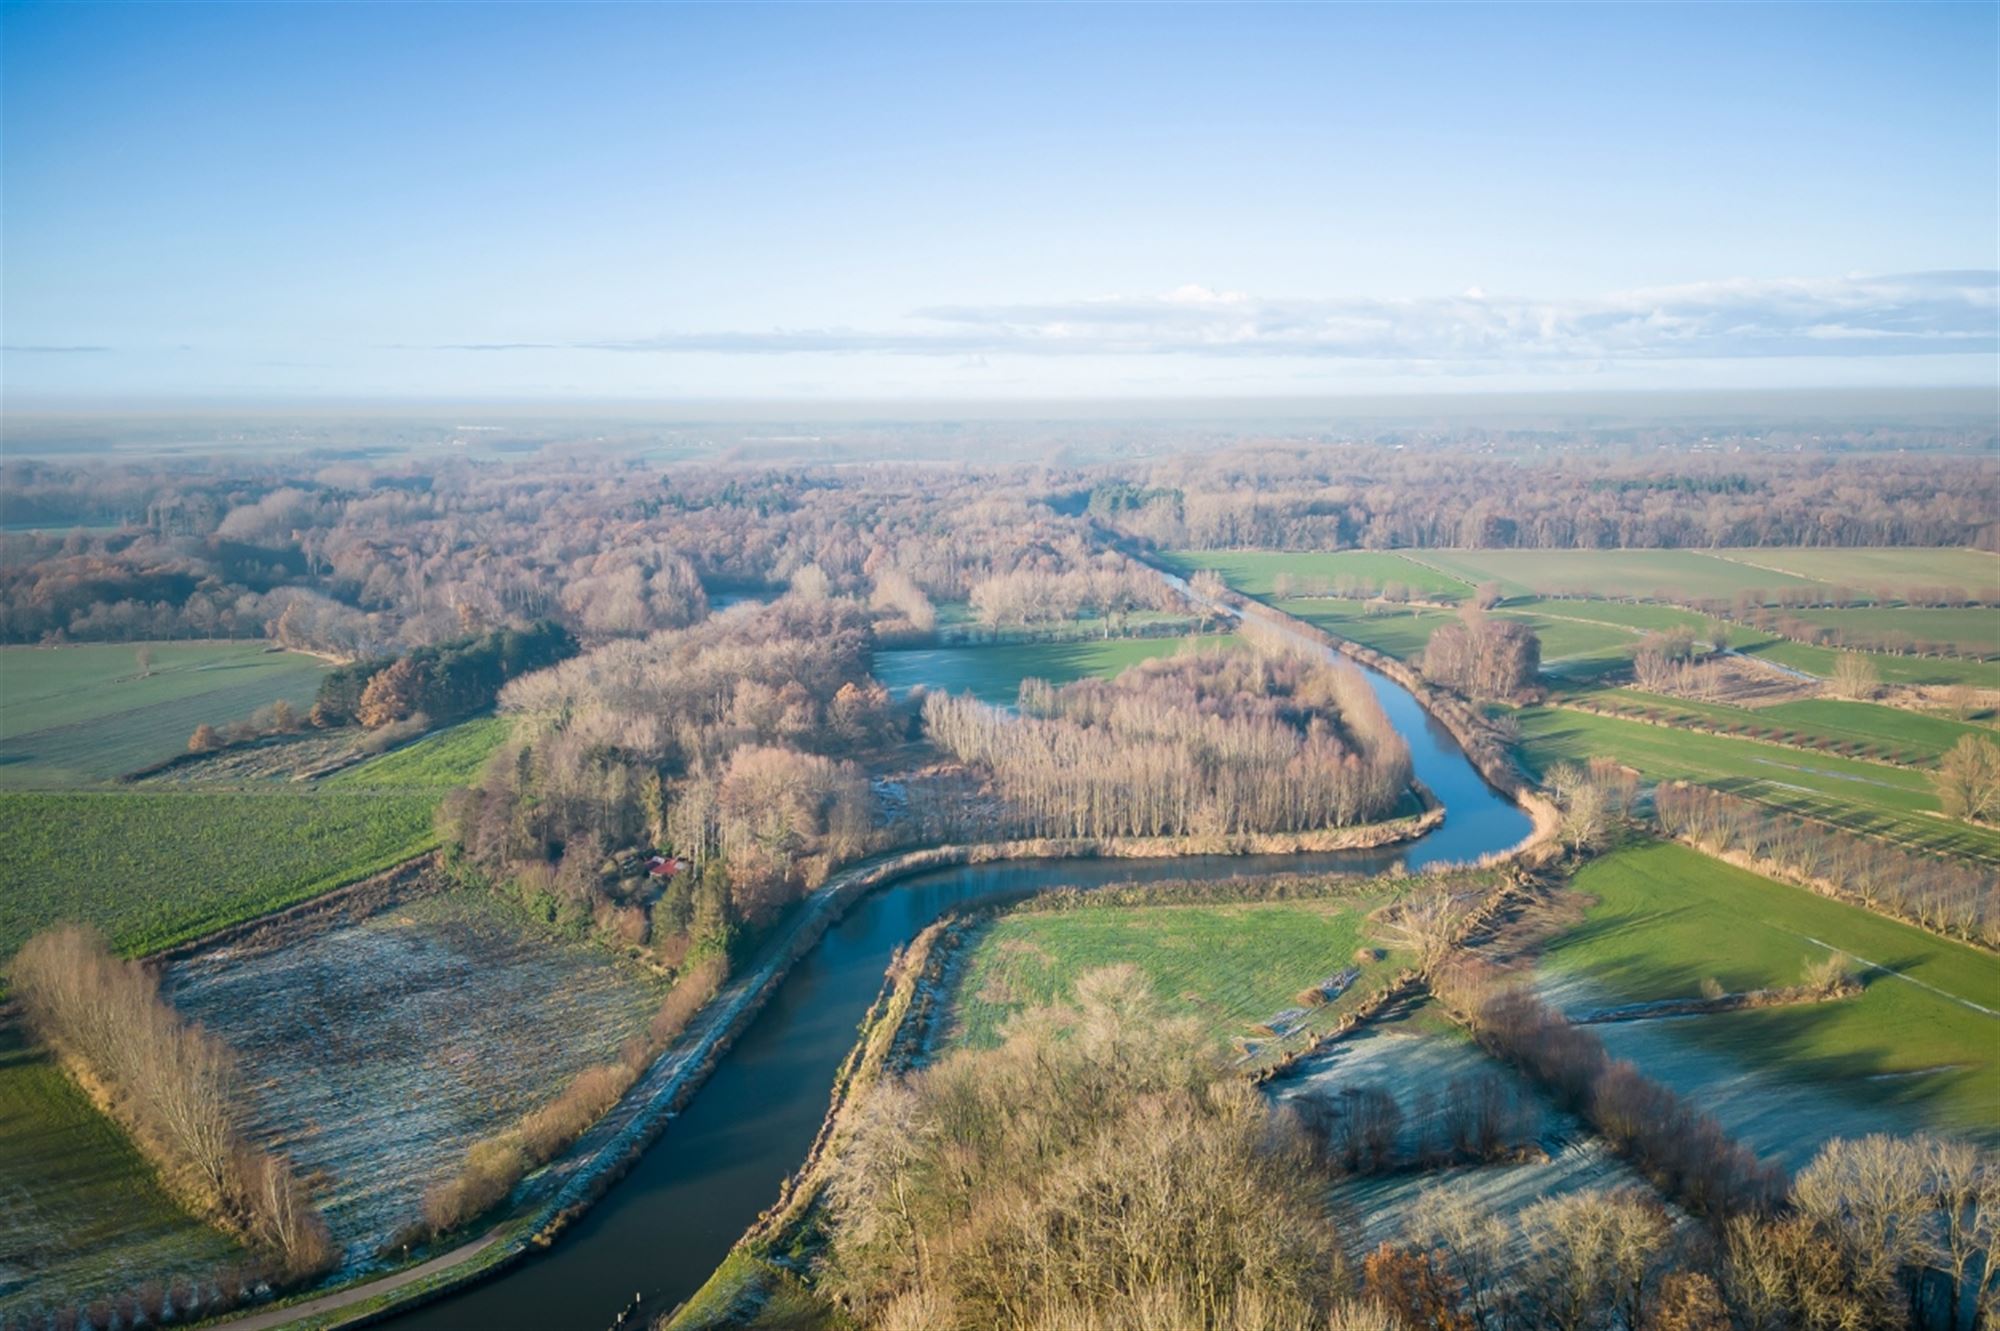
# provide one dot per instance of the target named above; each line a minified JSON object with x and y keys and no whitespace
{"x":1664,"y":918}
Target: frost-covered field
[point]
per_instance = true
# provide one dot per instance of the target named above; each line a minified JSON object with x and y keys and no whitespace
{"x":1418,"y":1063}
{"x":380,"y":1050}
{"x":1782,"y":1118}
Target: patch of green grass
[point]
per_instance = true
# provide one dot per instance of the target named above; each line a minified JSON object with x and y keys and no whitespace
{"x":1232,"y":966}
{"x":1869,"y":568}
{"x":451,"y":757}
{"x":1667,"y":574}
{"x":1890,"y":726}
{"x":1396,"y":631}
{"x":749,"y":1293}
{"x":1575,"y":648}
{"x":158,"y":868}
{"x":1889,"y":802}
{"x":80,"y":1210}
{"x":78,"y":715}
{"x":1889,"y":669}
{"x":993,"y":674}
{"x":1873,"y":731}
{"x":1973,"y":631}
{"x":1667,"y":917}
{"x":1643,"y":617}
{"x":1255,"y":572}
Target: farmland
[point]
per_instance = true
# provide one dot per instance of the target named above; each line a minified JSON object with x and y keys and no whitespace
{"x":1871,"y":569}
{"x":1914,"y":1050}
{"x":1864,"y":729}
{"x":1666,"y":574}
{"x":78,"y":1208}
{"x":382,"y":1049}
{"x":1392,"y":630}
{"x":85,"y":714}
{"x":1233,"y":966}
{"x":154,"y":868}
{"x":1894,"y":803}
{"x":1255,"y":572}
{"x":993,"y":674}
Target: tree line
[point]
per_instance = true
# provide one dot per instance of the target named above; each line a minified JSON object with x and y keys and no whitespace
{"x":173,"y":1087}
{"x":1202,"y":743}
{"x":1946,"y":896}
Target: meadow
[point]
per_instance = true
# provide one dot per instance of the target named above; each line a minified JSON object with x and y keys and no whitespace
{"x":1232,"y":966}
{"x":79,"y":1209}
{"x":1255,"y":572}
{"x":993,"y":674}
{"x":1896,"y":804}
{"x":1862,"y":729}
{"x":86,"y":714}
{"x":1970,"y":631}
{"x":1914,"y":1049}
{"x":1666,"y":574}
{"x":155,"y":868}
{"x":1868,"y":569}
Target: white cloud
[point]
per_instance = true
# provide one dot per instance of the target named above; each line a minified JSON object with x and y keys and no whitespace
{"x":1935,"y":313}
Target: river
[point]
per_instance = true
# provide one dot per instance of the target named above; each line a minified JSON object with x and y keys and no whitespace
{"x":663,"y":1228}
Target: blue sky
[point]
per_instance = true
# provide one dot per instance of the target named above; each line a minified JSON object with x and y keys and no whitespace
{"x":1013,"y":201}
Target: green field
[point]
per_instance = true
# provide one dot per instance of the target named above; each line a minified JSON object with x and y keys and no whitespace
{"x":1398,"y":632}
{"x":1665,"y":918}
{"x":1890,"y":802}
{"x":994,"y":673}
{"x":1889,"y":669}
{"x":1233,"y":966}
{"x":450,"y":757}
{"x":1671,"y":574}
{"x":1972,"y":631}
{"x":1867,"y":568}
{"x":1570,"y":647}
{"x":78,"y":1206}
{"x":154,"y":869}
{"x":1255,"y":572}
{"x":1865,"y":729}
{"x":77,"y":715}
{"x":1642,"y":618}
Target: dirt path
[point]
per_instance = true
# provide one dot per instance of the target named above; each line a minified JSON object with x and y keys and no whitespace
{"x":347,"y":1298}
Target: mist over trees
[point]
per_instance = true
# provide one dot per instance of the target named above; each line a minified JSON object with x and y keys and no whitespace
{"x":1203,"y":743}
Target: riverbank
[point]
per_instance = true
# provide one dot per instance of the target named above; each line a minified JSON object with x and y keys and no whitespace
{"x":1478,"y":824}
{"x":560,"y":1194}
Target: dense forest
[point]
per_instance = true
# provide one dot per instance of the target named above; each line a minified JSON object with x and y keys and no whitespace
{"x":356,"y":558}
{"x":1204,"y":743}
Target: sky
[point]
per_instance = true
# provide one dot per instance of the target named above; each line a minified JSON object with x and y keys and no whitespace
{"x":1017,"y":201}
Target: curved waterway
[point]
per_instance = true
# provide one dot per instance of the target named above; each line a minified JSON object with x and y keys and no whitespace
{"x":662,"y":1229}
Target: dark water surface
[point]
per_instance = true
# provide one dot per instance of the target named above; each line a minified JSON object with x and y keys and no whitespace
{"x":667,"y":1224}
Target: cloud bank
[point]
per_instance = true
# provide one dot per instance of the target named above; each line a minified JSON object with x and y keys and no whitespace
{"x":1910,"y":314}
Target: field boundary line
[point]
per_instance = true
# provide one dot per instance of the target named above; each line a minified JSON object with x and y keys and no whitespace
{"x":1890,"y":970}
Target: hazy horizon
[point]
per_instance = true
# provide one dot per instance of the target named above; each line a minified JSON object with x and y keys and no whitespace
{"x":980,"y":203}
